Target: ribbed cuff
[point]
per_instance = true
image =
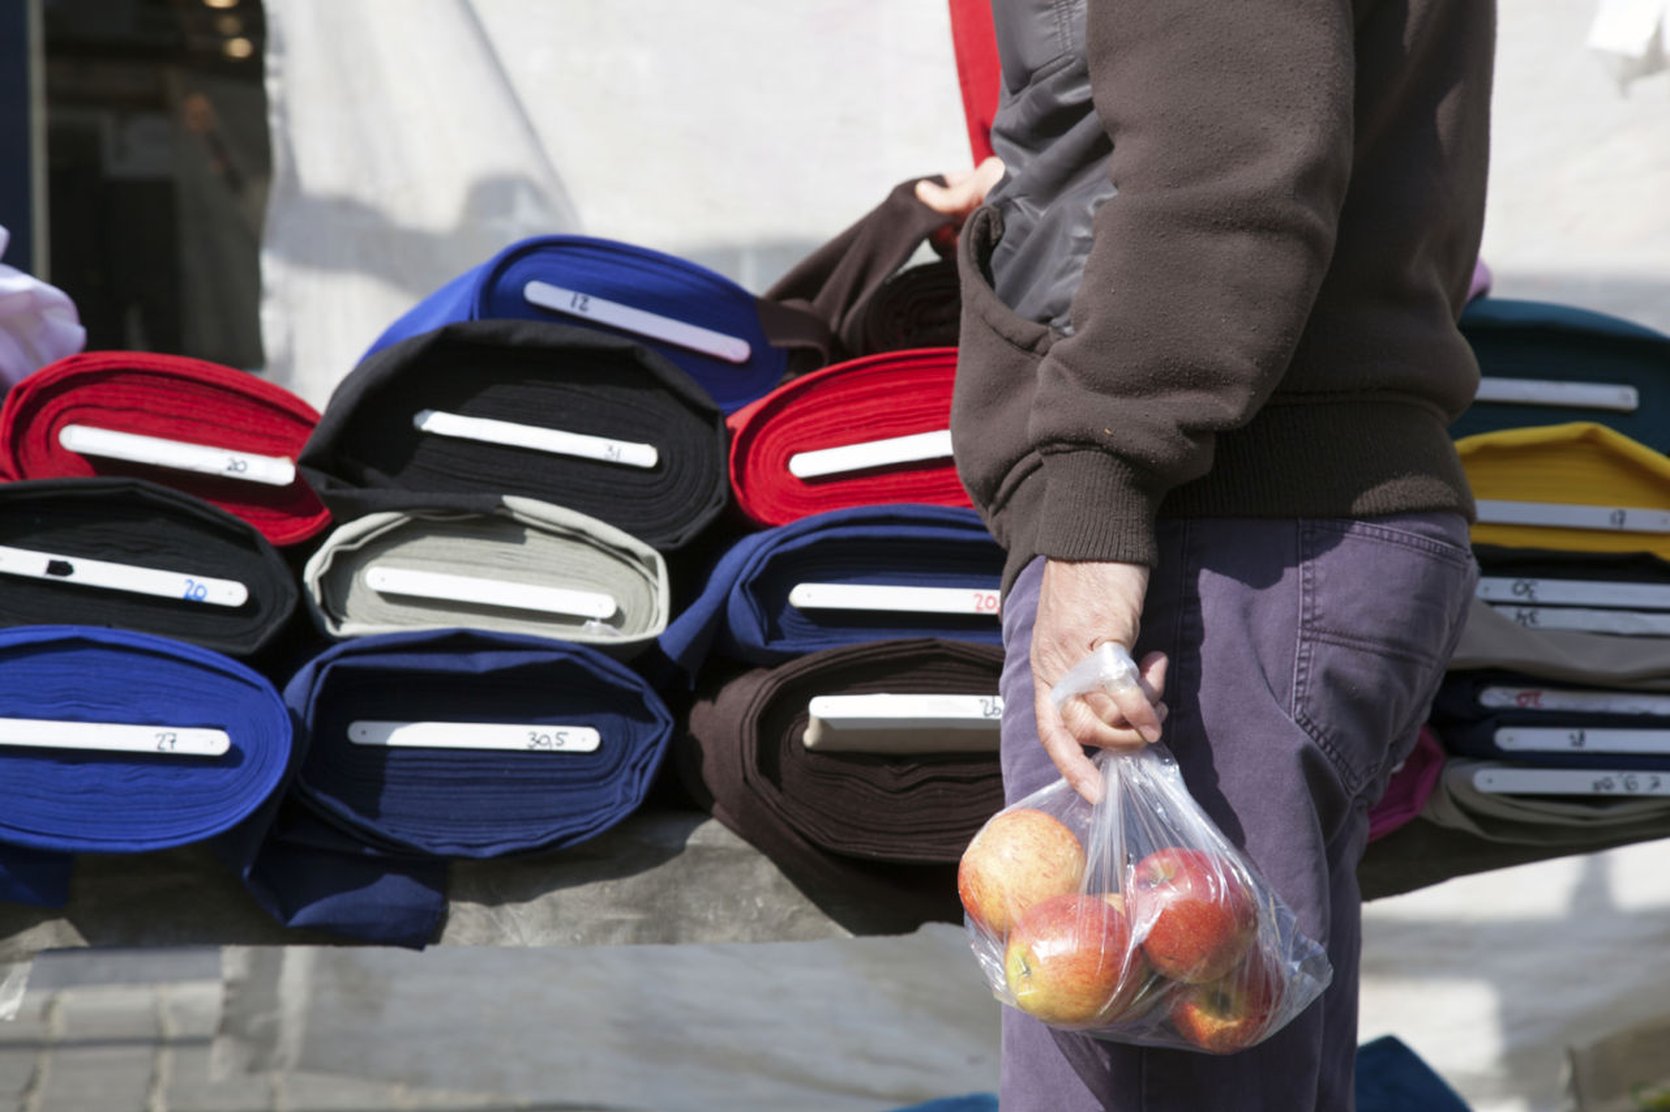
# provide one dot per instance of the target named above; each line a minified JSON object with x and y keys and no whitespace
{"x":1096,"y":507}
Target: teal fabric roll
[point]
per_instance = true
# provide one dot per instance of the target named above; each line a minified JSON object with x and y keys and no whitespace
{"x":526,"y":547}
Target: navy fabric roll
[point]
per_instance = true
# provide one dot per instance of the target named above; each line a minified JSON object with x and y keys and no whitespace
{"x":1393,"y":1078}
{"x":1546,"y":342}
{"x":389,"y":812}
{"x":1469,"y":717}
{"x":368,"y":455}
{"x":578,"y":280}
{"x":54,"y":525}
{"x":66,"y":801}
{"x":744,"y":611}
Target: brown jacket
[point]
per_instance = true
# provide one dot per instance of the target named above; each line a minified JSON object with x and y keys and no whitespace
{"x":1265,"y":322}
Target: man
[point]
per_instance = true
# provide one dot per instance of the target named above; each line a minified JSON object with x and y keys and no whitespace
{"x":1208,"y":360}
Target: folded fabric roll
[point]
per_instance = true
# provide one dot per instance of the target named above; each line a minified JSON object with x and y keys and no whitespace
{"x":1579,"y":487}
{"x":130,"y":554}
{"x":455,"y":743}
{"x":1491,"y":639}
{"x":791,"y":590}
{"x":858,"y":832}
{"x":529,"y":568}
{"x":116,"y":742}
{"x":1622,"y":593}
{"x":220,"y":434}
{"x":1558,"y":823}
{"x":1409,"y":788}
{"x":919,"y":307}
{"x":859,"y":286}
{"x":463,"y":415}
{"x":1503,"y":716}
{"x":714,"y":330}
{"x":865,"y":432}
{"x":1546,"y":364}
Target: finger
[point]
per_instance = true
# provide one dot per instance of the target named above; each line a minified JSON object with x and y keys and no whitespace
{"x":1152,"y":672}
{"x":1087,"y":729}
{"x":987,"y":174}
{"x":1138,"y":712}
{"x":1064,"y":752}
{"x":1103,"y":707}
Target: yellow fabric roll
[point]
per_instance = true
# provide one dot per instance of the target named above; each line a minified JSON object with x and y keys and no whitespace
{"x":1580,"y":463}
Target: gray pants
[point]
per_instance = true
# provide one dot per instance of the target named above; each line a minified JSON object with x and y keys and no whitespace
{"x":1304,"y":654}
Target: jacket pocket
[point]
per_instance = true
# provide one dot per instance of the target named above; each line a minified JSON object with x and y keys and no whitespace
{"x":997,"y":374}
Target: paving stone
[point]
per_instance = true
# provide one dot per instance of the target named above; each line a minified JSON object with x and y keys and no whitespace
{"x":190,"y":1086}
{"x":17,"y":1069}
{"x":109,"y":1014}
{"x":97,"y":1079}
{"x":190,"y":1011}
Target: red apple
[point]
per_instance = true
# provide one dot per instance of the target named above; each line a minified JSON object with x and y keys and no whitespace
{"x":1070,"y":962}
{"x":1233,"y":1012}
{"x":1194,"y":912}
{"x":1019,"y":858}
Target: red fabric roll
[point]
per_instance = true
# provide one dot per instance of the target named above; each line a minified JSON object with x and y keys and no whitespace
{"x":1410,"y":787}
{"x":880,"y":397}
{"x":173,"y":398}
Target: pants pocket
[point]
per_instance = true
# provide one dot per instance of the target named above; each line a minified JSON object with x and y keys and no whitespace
{"x":1381,"y":604}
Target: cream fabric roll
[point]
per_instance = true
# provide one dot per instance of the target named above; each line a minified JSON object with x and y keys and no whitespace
{"x":529,"y":552}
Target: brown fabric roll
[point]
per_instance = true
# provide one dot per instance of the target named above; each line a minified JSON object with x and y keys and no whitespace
{"x":865,"y":836}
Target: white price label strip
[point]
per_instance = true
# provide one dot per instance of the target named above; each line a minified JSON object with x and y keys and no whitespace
{"x":640,"y":322}
{"x":1598,"y":702}
{"x":530,"y":738}
{"x":122,"y":577}
{"x":114,"y":737}
{"x":555,"y":441}
{"x":1571,"y":515}
{"x":886,"y":723}
{"x":178,"y":455}
{"x":1498,"y":780}
{"x":1578,"y":395}
{"x":1625,"y":623}
{"x":914,"y":600}
{"x":1527,"y":739}
{"x":915,"y":448}
{"x":445,"y":587}
{"x":1574,"y":592}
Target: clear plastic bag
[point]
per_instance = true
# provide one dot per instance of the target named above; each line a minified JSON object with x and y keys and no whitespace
{"x":1133,"y":920}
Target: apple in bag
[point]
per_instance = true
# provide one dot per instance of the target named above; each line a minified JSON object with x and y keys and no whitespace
{"x":1018,"y":859}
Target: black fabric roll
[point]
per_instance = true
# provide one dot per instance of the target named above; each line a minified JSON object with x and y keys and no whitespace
{"x":1544,"y":563}
{"x":142,"y":525}
{"x":367,"y":456}
{"x":868,"y":837}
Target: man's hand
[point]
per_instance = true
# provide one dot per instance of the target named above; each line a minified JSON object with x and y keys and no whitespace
{"x":1081,"y":605}
{"x":963,"y":191}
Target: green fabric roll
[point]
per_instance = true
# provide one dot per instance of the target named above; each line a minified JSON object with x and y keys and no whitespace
{"x":526,"y":542}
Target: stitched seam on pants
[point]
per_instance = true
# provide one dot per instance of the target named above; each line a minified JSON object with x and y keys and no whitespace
{"x":1363,"y":644}
{"x":1189,"y":631}
{"x":1304,"y":654}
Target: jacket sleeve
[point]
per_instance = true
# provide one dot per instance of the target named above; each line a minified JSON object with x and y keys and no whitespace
{"x":1232,"y":149}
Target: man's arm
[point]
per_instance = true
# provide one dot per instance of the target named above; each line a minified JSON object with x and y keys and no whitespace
{"x":1232,"y":127}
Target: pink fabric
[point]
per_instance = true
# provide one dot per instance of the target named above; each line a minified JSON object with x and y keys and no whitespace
{"x":1411,"y":785}
{"x":1481,"y":281}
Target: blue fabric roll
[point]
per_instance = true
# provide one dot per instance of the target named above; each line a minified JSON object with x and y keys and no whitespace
{"x":1539,"y":340}
{"x":626,"y":275}
{"x":1468,"y":728}
{"x":361,"y":845}
{"x":744,"y":613}
{"x":58,"y":802}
